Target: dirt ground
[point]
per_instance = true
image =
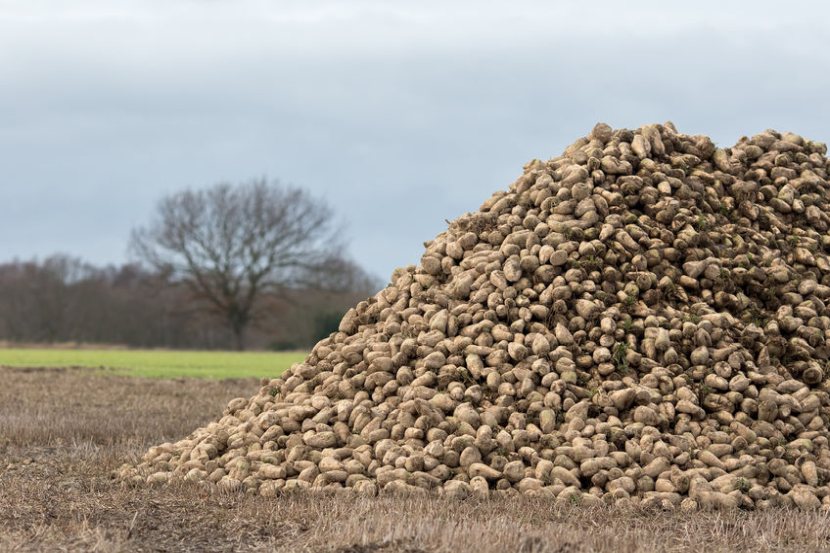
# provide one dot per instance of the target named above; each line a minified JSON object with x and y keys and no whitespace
{"x":63,"y":432}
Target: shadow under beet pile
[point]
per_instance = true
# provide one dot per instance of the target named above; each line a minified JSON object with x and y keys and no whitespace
{"x":642,"y":320}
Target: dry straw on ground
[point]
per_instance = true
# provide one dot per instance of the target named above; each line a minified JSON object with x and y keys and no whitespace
{"x":640,"y":321}
{"x":63,"y":433}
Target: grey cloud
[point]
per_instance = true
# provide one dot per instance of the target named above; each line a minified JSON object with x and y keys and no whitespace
{"x":400,"y":115}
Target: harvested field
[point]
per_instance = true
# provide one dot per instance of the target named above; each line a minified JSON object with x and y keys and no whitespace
{"x":63,"y":433}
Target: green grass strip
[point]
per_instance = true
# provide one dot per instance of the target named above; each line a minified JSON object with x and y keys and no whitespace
{"x":157,"y":363}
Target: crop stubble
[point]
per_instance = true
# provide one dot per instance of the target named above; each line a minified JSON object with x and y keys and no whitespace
{"x":64,"y":432}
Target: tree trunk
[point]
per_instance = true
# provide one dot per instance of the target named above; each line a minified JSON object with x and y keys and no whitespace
{"x":238,"y":329}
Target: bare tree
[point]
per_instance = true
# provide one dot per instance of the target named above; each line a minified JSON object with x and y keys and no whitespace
{"x":232,"y":245}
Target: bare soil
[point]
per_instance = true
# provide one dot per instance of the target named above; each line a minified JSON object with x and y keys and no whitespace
{"x":63,"y":433}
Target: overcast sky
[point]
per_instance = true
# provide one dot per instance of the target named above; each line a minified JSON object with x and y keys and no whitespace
{"x":400,"y":114}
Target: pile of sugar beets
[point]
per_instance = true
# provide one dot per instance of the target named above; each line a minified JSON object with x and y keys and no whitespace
{"x":642,"y":320}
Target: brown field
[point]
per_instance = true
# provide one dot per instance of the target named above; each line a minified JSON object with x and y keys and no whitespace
{"x":63,"y":432}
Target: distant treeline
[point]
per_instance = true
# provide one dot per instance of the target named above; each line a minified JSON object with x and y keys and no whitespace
{"x":64,"y":299}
